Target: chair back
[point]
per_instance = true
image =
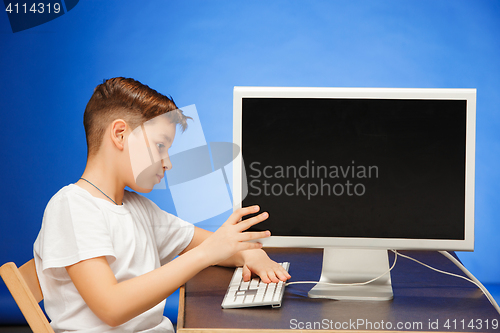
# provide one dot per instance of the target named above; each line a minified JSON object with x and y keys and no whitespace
{"x":25,"y":288}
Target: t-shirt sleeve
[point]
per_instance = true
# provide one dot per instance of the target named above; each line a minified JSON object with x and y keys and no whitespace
{"x":172,"y":234}
{"x":73,"y":229}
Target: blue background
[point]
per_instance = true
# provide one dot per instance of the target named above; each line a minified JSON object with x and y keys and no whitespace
{"x":197,"y":51}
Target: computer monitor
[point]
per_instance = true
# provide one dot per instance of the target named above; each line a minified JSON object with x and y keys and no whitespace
{"x":357,"y":172}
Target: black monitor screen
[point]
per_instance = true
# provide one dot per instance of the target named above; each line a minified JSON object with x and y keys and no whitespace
{"x":376,"y":168}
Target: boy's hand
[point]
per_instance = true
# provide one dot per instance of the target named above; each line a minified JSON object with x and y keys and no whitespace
{"x":258,"y":263}
{"x":230,"y":238}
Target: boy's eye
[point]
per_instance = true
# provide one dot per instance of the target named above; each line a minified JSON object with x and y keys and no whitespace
{"x":160,"y":146}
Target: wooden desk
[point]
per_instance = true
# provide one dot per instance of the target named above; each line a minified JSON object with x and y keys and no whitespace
{"x":424,"y":300}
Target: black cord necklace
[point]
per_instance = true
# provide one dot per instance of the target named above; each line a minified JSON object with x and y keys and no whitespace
{"x":100,"y":190}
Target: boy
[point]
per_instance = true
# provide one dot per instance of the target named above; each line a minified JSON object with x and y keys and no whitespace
{"x":103,"y":254}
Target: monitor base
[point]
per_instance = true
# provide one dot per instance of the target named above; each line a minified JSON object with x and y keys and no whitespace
{"x":353,"y":266}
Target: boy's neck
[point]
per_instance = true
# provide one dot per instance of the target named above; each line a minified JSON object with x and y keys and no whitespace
{"x":103,"y":177}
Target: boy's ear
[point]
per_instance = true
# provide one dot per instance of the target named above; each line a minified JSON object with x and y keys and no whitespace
{"x":118,"y":129}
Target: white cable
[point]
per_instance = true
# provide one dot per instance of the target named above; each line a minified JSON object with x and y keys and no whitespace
{"x":473,"y":279}
{"x":346,"y":284}
{"x":435,"y":269}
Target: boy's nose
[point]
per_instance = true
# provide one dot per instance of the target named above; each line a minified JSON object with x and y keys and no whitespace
{"x":166,"y":164}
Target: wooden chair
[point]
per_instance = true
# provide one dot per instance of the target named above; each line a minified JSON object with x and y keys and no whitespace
{"x":24,"y":286}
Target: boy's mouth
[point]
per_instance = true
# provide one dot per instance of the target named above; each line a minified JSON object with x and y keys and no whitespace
{"x":160,"y":177}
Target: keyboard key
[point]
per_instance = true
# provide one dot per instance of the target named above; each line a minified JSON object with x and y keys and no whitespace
{"x":259,"y":298}
{"x":249,"y":299}
{"x":268,"y":297}
{"x":236,"y":280}
{"x":254,"y":284}
{"x":228,"y":302}
{"x":277,"y":296}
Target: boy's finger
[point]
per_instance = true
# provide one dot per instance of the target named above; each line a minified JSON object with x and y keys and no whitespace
{"x":240,"y":212}
{"x":282,"y":274}
{"x":243,"y":246}
{"x":271,"y":274}
{"x":247,"y":274}
{"x":244,"y":225}
{"x":264,"y":278}
{"x":247,"y":236}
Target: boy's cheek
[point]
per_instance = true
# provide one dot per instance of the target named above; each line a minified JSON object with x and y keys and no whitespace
{"x":138,"y":153}
{"x":148,"y":177}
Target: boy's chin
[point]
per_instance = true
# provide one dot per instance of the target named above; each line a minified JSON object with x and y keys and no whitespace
{"x":144,"y":190}
{"x":141,"y":189}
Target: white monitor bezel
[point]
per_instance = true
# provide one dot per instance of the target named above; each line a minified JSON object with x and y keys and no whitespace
{"x":368,"y":93}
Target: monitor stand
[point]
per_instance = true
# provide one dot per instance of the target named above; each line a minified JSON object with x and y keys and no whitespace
{"x":351,"y":266}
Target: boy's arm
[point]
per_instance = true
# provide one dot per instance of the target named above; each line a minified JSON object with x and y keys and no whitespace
{"x":253,"y":261}
{"x":116,"y":303}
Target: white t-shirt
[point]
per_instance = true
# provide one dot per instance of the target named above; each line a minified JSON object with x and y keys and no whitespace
{"x":135,"y":238}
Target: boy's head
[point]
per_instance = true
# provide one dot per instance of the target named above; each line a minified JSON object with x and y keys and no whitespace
{"x":127,"y":99}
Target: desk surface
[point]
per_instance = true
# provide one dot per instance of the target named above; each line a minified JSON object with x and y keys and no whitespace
{"x":424,"y":300}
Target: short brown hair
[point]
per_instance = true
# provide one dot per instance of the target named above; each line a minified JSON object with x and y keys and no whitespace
{"x":127,"y":99}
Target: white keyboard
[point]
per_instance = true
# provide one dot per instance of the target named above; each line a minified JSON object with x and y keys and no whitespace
{"x":242,"y":294}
